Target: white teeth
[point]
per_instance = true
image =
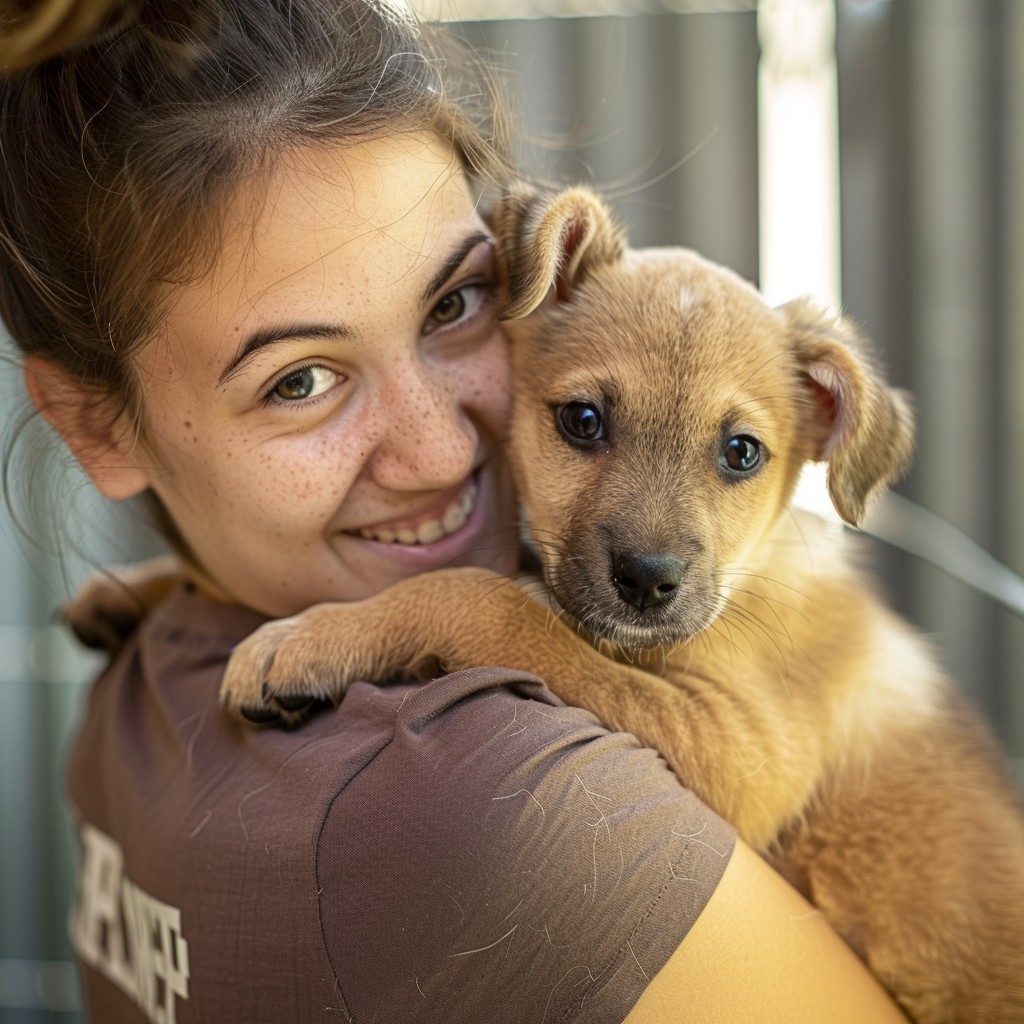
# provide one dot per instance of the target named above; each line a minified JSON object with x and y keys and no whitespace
{"x":387,"y":536}
{"x":429,"y":532}
{"x":453,"y":518}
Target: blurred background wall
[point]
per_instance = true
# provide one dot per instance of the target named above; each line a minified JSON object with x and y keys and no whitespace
{"x":656,"y":101}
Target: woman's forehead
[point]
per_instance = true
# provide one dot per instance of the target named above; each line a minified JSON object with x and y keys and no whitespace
{"x":314,"y":200}
{"x":378,"y":208}
{"x":362,"y":217}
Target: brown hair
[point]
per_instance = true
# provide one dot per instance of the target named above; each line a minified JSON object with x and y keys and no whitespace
{"x":119,"y":153}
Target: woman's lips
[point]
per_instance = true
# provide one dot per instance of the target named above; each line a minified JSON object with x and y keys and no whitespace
{"x":430,"y":529}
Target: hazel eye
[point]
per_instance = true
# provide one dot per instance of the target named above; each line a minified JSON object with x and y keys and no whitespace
{"x":742,"y":454}
{"x":449,"y":308}
{"x":306,"y":382}
{"x":580,"y":421}
{"x":461,"y":307}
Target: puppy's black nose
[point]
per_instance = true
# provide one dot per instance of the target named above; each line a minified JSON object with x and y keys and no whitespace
{"x":646,"y":580}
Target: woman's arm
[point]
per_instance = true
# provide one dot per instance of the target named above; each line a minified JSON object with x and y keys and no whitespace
{"x":760,"y":952}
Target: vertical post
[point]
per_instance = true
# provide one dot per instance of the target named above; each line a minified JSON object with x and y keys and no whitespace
{"x":1011,"y":472}
{"x":952,"y":347}
{"x":799,"y":150}
{"x":798,"y":170}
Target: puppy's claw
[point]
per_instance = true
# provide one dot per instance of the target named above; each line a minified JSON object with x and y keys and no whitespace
{"x":297,"y":702}
{"x":259,"y":715}
{"x":285,"y":711}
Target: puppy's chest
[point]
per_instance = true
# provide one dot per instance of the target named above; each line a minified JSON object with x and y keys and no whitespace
{"x":841,"y":671}
{"x":797,"y":639}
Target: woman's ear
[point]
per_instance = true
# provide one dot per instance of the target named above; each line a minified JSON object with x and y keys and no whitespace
{"x":102,"y":442}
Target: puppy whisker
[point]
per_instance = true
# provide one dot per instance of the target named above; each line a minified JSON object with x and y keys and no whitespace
{"x":767,"y":637}
{"x":770,"y":602}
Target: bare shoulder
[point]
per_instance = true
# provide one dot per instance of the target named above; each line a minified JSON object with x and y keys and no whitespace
{"x":760,"y":952}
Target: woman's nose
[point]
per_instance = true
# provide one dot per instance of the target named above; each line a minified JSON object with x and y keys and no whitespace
{"x":427,"y":440}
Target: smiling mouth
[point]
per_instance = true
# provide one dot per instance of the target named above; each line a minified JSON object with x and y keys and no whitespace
{"x":428,"y":531}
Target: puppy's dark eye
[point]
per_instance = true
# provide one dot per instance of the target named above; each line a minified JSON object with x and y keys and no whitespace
{"x":580,"y":421}
{"x":741,"y":454}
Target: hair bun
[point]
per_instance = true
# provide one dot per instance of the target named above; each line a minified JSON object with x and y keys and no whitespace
{"x":32,"y":31}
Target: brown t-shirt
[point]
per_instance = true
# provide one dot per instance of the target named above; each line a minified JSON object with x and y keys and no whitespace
{"x":469,"y":850}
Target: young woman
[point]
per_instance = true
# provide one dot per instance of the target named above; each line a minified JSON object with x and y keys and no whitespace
{"x":243,"y":257}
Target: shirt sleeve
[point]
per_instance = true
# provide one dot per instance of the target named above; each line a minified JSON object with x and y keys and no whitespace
{"x":502,"y":857}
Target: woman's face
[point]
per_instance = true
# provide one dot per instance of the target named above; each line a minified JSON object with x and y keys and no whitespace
{"x":325,"y":413}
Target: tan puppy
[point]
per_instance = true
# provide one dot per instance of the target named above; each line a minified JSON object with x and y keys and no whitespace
{"x":663,"y":413}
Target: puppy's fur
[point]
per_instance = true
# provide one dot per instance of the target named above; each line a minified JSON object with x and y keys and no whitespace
{"x":663,"y":413}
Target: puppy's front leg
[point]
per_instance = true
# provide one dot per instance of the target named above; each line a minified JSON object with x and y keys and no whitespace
{"x":439,"y":621}
{"x":468,"y":618}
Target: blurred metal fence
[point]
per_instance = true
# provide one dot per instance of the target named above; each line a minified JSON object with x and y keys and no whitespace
{"x":660,"y":109}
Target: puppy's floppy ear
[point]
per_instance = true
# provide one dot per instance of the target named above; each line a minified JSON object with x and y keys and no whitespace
{"x":862,"y":427}
{"x":549,"y":240}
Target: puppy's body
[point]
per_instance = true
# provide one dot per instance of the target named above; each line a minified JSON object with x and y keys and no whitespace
{"x":663,"y":414}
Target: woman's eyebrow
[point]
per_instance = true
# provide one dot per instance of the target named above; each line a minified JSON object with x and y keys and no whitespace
{"x":455,"y":260}
{"x":281,"y":332}
{"x":337,"y":332}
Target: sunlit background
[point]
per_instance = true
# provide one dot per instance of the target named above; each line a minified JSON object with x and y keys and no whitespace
{"x":862,"y":151}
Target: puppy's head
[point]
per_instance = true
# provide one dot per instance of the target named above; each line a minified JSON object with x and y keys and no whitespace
{"x":663,"y":414}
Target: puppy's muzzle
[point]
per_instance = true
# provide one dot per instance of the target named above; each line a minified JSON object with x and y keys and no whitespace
{"x":646,"y":581}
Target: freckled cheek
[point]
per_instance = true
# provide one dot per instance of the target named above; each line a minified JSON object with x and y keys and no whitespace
{"x":486,"y":389}
{"x":174,"y":439}
{"x":302,"y":483}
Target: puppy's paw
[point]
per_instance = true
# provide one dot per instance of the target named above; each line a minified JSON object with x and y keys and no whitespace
{"x":102,"y":613}
{"x":109,"y":605}
{"x":283,"y":672}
